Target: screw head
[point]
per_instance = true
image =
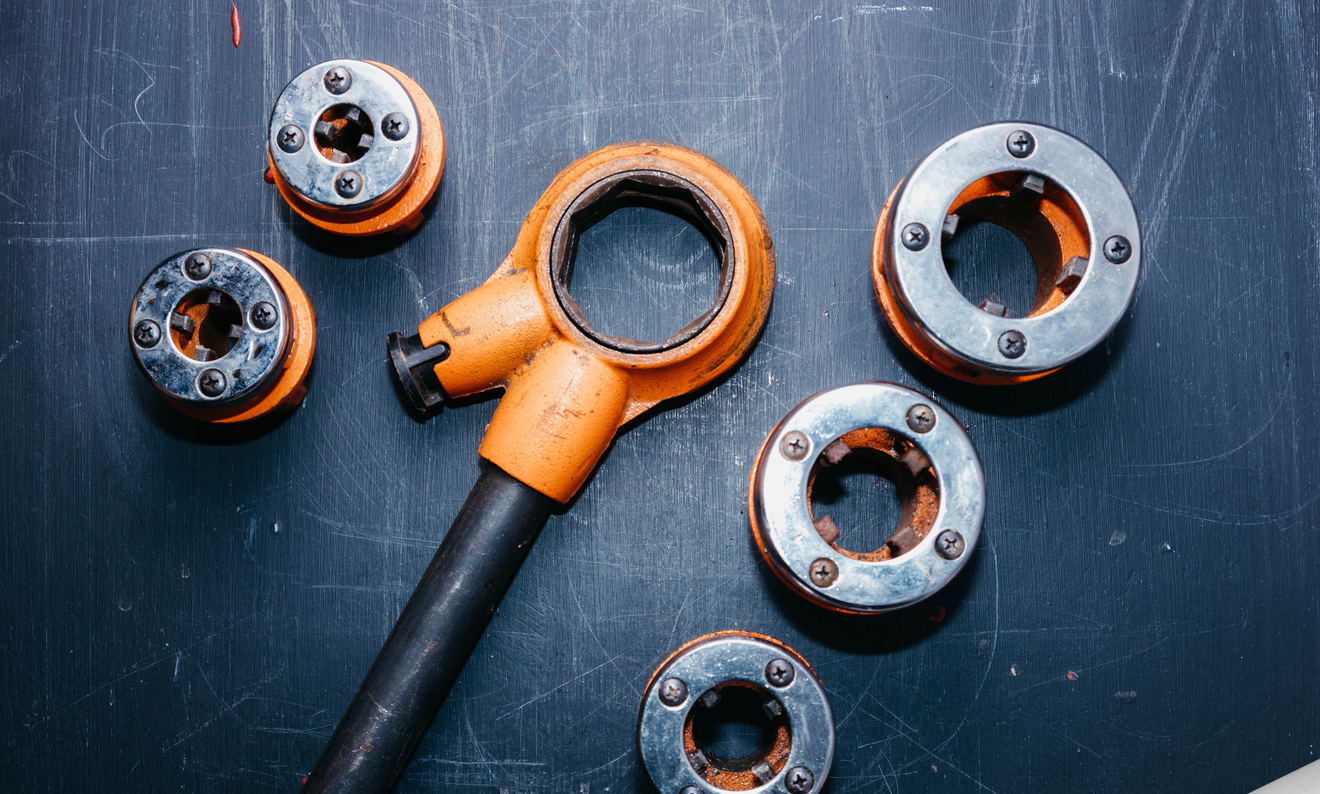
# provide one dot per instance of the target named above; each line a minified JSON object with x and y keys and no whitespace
{"x":197,"y":266}
{"x":348,"y":184}
{"x":338,"y":80}
{"x":823,"y":572}
{"x":799,"y":780}
{"x":1021,"y":143}
{"x":950,"y":544}
{"x":212,"y":382}
{"x":921,"y":418}
{"x":146,"y":333}
{"x":263,"y":316}
{"x":1012,"y":344}
{"x":779,"y":673}
{"x":1117,"y":249}
{"x":915,"y":236}
{"x":794,"y":445}
{"x":290,"y":138}
{"x":395,"y":126}
{"x":673,"y":692}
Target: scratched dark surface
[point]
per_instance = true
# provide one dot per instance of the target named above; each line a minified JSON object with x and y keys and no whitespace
{"x":191,"y":608}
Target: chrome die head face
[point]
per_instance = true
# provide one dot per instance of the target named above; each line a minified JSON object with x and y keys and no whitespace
{"x":372,"y":135}
{"x":820,"y":571}
{"x":749,"y":661}
{"x":926,"y":295}
{"x":257,"y":342}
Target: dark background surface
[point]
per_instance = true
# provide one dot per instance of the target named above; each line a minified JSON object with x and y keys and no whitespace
{"x":187,"y":607}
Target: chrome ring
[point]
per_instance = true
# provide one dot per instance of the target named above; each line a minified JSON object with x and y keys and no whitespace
{"x":703,"y":668}
{"x":386,"y":167}
{"x":255,"y":353}
{"x":925,"y":440}
{"x":975,"y":338}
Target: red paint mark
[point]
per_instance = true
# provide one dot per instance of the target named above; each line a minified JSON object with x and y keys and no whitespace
{"x":269,"y":176}
{"x":304,"y":781}
{"x":934,"y":613}
{"x":934,"y":768}
{"x":233,"y":23}
{"x":1073,"y":676}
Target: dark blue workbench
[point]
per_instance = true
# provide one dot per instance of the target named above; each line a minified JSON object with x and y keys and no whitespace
{"x":191,"y":608}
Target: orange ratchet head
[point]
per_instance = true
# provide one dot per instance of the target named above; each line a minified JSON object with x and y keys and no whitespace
{"x":568,"y":387}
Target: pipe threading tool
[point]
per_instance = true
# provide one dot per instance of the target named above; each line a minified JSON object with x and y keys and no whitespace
{"x":1068,"y":207}
{"x":735,"y":670}
{"x":568,"y":388}
{"x":356,"y":148}
{"x":915,"y":443}
{"x":226,"y":335}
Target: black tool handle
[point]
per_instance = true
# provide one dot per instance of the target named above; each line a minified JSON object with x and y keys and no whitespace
{"x":433,"y":637}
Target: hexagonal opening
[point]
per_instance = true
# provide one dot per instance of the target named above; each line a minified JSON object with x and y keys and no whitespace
{"x":634,"y":245}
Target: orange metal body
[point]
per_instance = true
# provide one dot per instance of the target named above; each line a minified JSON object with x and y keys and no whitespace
{"x":289,"y":387}
{"x":775,"y":756}
{"x":1054,"y":235}
{"x":567,"y":395}
{"x":403,"y":213}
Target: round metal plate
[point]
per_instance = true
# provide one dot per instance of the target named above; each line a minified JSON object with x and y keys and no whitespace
{"x":717,"y":660}
{"x":928,"y":296}
{"x":386,"y":167}
{"x":251,"y":360}
{"x":782,"y":516}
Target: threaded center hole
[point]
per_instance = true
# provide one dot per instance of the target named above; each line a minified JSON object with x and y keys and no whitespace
{"x":860,"y":496}
{"x":1014,"y":235}
{"x":344,"y":133}
{"x":873,"y":494}
{"x":989,"y":263}
{"x":206,"y":323}
{"x":735,"y":731}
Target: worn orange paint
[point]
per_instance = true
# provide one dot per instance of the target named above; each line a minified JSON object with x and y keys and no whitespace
{"x":401,"y":214}
{"x":567,"y":395}
{"x":289,"y":386}
{"x":1064,"y":219}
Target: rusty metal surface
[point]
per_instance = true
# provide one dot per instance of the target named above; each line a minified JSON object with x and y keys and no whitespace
{"x":193,"y":606}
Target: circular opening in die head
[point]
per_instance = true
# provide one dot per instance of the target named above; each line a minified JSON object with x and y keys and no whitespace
{"x":1015,"y":207}
{"x":900,"y":472}
{"x":344,"y":133}
{"x":206,"y":323}
{"x":736,"y":727}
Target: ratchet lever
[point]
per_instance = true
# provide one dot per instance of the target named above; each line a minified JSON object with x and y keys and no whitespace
{"x":568,"y":390}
